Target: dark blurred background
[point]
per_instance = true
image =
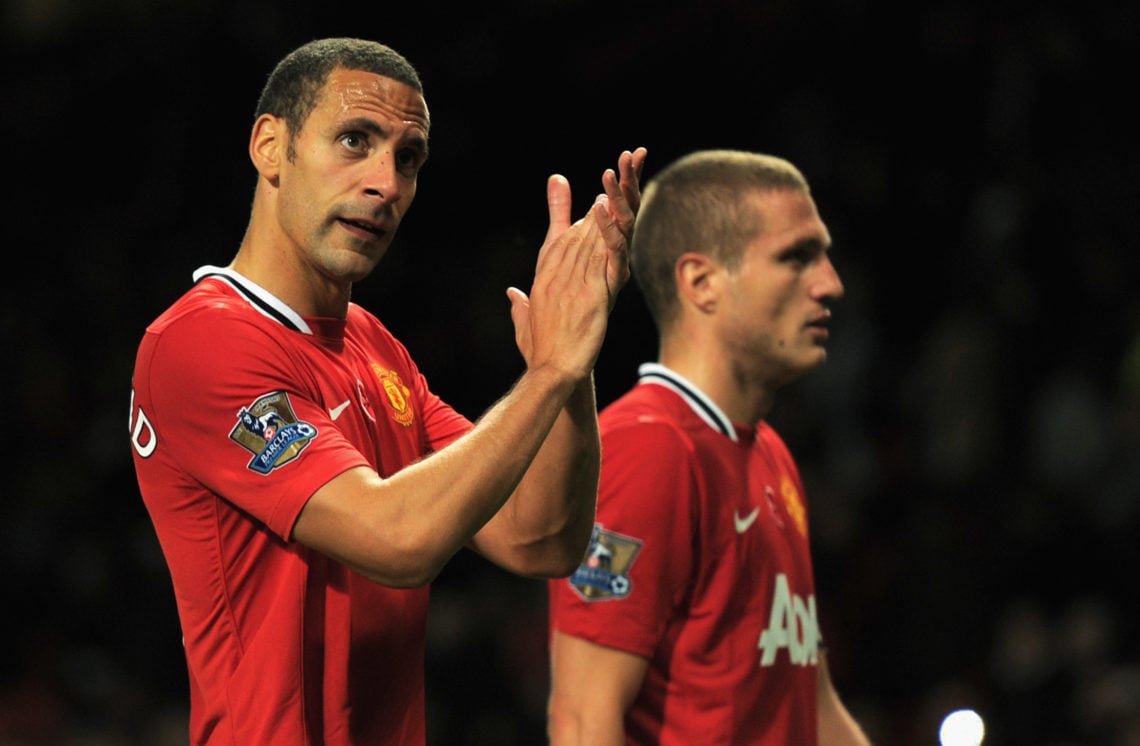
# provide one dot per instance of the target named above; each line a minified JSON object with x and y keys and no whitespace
{"x":971,"y":450}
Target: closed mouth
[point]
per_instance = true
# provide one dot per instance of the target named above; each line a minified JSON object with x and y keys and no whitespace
{"x":363,"y":225}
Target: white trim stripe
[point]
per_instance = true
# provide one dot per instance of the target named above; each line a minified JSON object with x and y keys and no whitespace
{"x":705,"y":407}
{"x":258,"y":297}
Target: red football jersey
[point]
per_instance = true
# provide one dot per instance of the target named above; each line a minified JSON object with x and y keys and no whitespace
{"x":241,"y":409}
{"x":699,"y":563}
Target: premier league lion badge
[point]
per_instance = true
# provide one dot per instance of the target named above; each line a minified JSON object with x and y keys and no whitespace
{"x":604,"y":574}
{"x":269,"y":430}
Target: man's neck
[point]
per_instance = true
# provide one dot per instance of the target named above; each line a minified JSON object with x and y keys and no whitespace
{"x":745,"y":399}
{"x":292,"y":281}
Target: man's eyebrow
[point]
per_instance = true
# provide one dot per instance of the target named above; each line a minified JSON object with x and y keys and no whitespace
{"x":810,"y":243}
{"x":364,"y":124}
{"x":371,"y":126}
{"x":420,"y":143}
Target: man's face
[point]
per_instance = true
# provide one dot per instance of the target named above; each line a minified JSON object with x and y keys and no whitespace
{"x":352,"y":172}
{"x":776,"y":303}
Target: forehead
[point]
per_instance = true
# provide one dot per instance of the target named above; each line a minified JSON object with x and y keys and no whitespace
{"x":789,"y":217}
{"x":354,"y":93}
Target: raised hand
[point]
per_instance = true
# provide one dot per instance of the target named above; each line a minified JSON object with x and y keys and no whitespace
{"x":562,"y":321}
{"x":623,"y":192}
{"x":580,"y":269}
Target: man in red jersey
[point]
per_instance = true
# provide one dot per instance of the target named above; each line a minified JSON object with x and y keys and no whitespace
{"x":693,"y":619}
{"x":305,"y":483}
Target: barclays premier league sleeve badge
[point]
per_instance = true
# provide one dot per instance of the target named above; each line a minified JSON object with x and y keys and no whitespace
{"x":269,"y":429}
{"x":604,"y":574}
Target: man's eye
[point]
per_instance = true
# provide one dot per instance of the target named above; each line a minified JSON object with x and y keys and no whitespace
{"x":354,"y":141}
{"x":799,"y":257}
{"x":409,"y":160}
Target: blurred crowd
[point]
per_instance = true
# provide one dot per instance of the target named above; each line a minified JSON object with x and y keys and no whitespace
{"x":971,"y":450}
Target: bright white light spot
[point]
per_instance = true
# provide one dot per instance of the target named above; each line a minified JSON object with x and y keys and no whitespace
{"x":962,"y":728}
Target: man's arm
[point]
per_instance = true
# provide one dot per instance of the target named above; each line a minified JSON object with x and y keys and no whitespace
{"x":401,"y":530}
{"x":592,"y":686}
{"x":836,"y":726}
{"x":544,"y":529}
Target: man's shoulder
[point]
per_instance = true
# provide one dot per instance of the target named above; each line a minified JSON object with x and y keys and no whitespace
{"x":644,"y":407}
{"x":209,"y":324}
{"x":207,"y":301}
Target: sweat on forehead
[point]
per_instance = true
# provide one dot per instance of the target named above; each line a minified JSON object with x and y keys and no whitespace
{"x":295,"y":85}
{"x":347,"y":90}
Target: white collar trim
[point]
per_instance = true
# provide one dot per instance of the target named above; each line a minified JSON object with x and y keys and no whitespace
{"x":261,"y":299}
{"x":705,"y":407}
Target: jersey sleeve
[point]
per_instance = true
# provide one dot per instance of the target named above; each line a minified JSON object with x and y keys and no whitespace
{"x":639,"y":566}
{"x":232,"y":412}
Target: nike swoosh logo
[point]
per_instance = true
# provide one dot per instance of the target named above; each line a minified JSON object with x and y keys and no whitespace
{"x":745,"y":523}
{"x":335,"y":411}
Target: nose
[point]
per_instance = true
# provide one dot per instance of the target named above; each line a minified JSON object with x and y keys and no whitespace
{"x":382,"y":178}
{"x":827,"y":286}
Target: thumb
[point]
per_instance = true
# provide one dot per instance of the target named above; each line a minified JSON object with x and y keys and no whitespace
{"x":558,"y":204}
{"x":518,"y":299}
{"x":520,"y":318}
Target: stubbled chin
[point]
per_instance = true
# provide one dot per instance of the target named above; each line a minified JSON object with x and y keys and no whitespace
{"x":815,"y":358}
{"x":354,"y":266}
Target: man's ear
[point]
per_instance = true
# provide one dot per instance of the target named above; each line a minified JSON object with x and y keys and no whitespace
{"x":268,"y":143}
{"x":698,"y":278}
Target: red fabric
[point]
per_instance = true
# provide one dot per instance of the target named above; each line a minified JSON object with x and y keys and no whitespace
{"x":283,"y":645}
{"x":700,"y":593}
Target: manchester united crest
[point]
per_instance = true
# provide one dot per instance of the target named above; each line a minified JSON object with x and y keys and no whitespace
{"x":399,"y":396}
{"x":793,"y":503}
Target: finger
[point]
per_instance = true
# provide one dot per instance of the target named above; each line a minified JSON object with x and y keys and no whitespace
{"x":631,"y":176}
{"x":587,"y":244}
{"x":624,"y":190}
{"x":617,"y":248}
{"x":636,"y":163}
{"x":609,"y":228}
{"x":558,"y":205}
{"x":618,"y":198}
{"x":517,"y":297}
{"x":520,"y":318}
{"x":630,"y":166}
